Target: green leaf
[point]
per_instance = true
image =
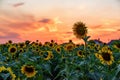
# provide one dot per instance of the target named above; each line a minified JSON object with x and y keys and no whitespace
{"x":5,"y":76}
{"x":40,"y":77}
{"x":117,"y":74}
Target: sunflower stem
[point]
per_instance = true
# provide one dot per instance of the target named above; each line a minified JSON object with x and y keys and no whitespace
{"x":85,"y":39}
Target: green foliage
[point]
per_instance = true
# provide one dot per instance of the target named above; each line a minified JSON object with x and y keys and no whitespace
{"x":63,"y":65}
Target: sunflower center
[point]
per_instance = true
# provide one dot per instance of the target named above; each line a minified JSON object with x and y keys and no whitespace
{"x":21,"y":45}
{"x":80,"y":53}
{"x":51,"y":44}
{"x":37,"y":49}
{"x":58,"y":49}
{"x":29,"y":69}
{"x":12,"y":50}
{"x":69,"y":47}
{"x":81,"y":31}
{"x":106,"y":56}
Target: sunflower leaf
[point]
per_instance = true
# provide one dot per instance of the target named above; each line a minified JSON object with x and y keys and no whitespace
{"x":117,"y":73}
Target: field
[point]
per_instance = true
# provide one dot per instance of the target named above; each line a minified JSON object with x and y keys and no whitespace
{"x":28,"y":60}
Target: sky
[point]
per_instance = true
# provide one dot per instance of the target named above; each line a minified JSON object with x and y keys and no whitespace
{"x":46,"y":20}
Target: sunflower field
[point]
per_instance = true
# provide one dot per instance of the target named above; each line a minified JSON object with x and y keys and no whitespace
{"x":29,"y":60}
{"x":68,"y":61}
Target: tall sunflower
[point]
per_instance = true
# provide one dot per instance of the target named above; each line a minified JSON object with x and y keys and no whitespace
{"x":79,"y":30}
{"x":105,"y":56}
{"x":29,"y":71}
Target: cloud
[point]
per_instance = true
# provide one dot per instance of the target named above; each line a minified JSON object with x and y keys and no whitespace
{"x":18,"y":4}
{"x":45,"y":20}
{"x":50,"y":24}
{"x":15,"y":37}
{"x":21,"y":25}
{"x":10,"y":35}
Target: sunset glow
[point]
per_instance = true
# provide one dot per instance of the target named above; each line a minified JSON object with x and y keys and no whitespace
{"x":46,"y":20}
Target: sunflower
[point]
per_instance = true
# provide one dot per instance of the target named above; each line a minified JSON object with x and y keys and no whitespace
{"x":98,"y":56}
{"x":10,"y":41}
{"x":36,"y":49}
{"x":51,"y":55}
{"x":28,"y":70}
{"x":58,"y":49}
{"x":3,"y":69}
{"x":33,"y":44}
{"x":80,"y":53}
{"x":41,"y":53}
{"x":47,"y":55}
{"x":77,"y":45}
{"x":12,"y":49}
{"x":69,"y":47}
{"x":46,"y":44}
{"x":21,"y":50}
{"x":105,"y":56}
{"x":97,"y":46}
{"x":27,"y":42}
{"x":22,"y":45}
{"x":79,"y":30}
{"x":51,"y":45}
{"x":40,"y":44}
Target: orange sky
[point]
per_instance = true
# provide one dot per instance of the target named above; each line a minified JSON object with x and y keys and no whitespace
{"x":44,"y":20}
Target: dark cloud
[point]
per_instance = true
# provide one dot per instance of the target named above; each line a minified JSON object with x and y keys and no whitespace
{"x":45,"y":20}
{"x":18,"y":4}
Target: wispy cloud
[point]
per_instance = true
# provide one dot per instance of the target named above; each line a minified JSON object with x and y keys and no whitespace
{"x":18,"y":4}
{"x":50,"y":24}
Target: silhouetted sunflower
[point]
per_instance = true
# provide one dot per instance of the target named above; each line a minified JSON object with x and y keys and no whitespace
{"x":79,"y":30}
{"x":12,"y":49}
{"x":8,"y":70}
{"x":105,"y":56}
{"x":29,"y":71}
